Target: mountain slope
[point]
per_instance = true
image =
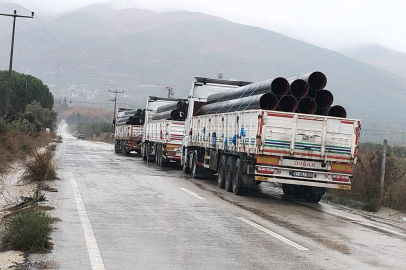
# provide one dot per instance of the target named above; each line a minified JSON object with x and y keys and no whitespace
{"x":379,"y":56}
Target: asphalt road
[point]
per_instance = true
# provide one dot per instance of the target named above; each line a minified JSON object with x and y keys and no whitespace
{"x":119,"y":212}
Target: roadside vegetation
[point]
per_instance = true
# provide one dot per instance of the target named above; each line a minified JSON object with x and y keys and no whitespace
{"x":28,"y":231}
{"x":366,"y":193}
{"x":26,"y":134}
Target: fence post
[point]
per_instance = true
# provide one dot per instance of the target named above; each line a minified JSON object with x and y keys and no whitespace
{"x":382,"y":182}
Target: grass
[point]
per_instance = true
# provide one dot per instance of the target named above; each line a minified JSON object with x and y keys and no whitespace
{"x":28,"y":231}
{"x":39,"y":167}
{"x":332,"y":198}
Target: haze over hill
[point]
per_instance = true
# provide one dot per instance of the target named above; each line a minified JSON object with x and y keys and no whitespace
{"x":141,"y":52}
{"x":379,"y":56}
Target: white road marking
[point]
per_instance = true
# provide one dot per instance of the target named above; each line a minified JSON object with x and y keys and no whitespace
{"x":274,"y":234}
{"x":192,"y":193}
{"x":91,"y":244}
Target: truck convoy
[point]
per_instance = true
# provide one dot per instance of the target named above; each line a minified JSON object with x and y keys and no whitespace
{"x":163,"y":130}
{"x":284,"y":131}
{"x":128,"y":131}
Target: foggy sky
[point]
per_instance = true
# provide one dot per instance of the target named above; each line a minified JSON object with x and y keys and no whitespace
{"x":329,"y":24}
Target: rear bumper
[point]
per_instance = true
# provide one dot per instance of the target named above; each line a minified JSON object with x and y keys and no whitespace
{"x":285,"y":175}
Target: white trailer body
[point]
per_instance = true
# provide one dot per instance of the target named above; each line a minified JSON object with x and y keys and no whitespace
{"x":288,"y":148}
{"x":127,"y":138}
{"x":306,"y":153}
{"x":162,"y":139}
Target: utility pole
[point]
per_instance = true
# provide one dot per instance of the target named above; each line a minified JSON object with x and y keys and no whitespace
{"x":115,"y":105}
{"x":8,"y":91}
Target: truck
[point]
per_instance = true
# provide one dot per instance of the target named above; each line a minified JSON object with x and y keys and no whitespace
{"x":304,"y":153}
{"x":163,"y":130}
{"x":128,"y":128}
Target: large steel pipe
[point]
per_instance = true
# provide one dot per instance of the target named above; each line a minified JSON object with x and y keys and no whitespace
{"x":264,"y":101}
{"x":337,"y":111}
{"x":168,"y":115}
{"x":278,"y":86}
{"x":288,"y":103}
{"x":307,"y":105}
{"x":139,"y":112}
{"x":324,"y":99}
{"x":316,"y":80}
{"x":181,"y":105}
{"x":136,"y":120}
{"x":122,"y":119}
{"x":299,"y":88}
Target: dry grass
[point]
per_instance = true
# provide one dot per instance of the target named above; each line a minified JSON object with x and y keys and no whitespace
{"x":17,"y":145}
{"x":366,"y":181}
{"x":28,"y":230}
{"x":39,"y":167}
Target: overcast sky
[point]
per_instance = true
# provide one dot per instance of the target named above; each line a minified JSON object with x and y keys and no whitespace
{"x":326,"y":23}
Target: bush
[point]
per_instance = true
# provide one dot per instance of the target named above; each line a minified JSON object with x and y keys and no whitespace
{"x":27,"y":231}
{"x":39,"y":167}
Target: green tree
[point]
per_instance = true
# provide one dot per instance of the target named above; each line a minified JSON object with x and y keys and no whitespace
{"x":24,"y":89}
{"x":41,"y":117}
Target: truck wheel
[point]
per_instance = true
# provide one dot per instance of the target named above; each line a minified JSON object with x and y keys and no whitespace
{"x":147,"y":153}
{"x":221,"y":174}
{"x":313,"y":198}
{"x":230,"y":174}
{"x":156,"y":155}
{"x":194,"y":166}
{"x":313,"y":194}
{"x":161,"y":156}
{"x":288,"y":190}
{"x":115,"y":147}
{"x":186,"y":168}
{"x":123,"y":149}
{"x":143,"y":152}
{"x":237,"y":183}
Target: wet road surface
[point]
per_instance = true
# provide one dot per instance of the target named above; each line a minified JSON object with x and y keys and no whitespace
{"x":120,"y":212}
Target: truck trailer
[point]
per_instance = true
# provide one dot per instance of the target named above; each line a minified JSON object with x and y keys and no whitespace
{"x":128,"y":128}
{"x":163,"y":130}
{"x":245,"y":138}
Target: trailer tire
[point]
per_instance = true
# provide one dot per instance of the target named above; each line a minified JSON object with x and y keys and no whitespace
{"x":115,"y":147}
{"x":144,"y":152}
{"x":313,"y":198}
{"x":148,"y":155}
{"x":313,"y":195}
{"x":288,"y":190}
{"x":238,"y":188}
{"x":162,"y":162}
{"x":194,"y":165}
{"x":221,"y":174}
{"x":230,"y":174}
{"x":156,"y":161}
{"x":123,"y":148}
{"x":186,"y":168}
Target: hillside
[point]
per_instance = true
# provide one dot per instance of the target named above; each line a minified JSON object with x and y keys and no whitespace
{"x":379,"y":56}
{"x":141,"y":52}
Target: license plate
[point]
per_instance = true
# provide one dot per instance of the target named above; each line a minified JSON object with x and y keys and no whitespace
{"x":261,"y":178}
{"x":346,"y":187}
{"x":302,"y":174}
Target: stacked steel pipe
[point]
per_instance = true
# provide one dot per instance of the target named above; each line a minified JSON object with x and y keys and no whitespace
{"x":303,"y":94}
{"x":131,"y":117}
{"x":175,"y":110}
